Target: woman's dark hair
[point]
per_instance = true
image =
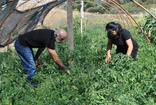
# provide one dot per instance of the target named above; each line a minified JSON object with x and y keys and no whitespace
{"x":113,"y":25}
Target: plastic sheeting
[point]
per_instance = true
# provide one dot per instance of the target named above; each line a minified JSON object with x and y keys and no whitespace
{"x":19,"y":22}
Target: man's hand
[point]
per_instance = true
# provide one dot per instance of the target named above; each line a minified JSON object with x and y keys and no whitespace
{"x":39,"y":51}
{"x":38,"y":63}
{"x":55,"y":58}
{"x":107,"y":58}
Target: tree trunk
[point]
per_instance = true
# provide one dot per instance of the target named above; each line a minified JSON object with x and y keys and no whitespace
{"x":70,"y":29}
{"x":70,"y":25}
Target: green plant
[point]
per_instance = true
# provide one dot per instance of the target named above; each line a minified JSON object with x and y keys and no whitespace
{"x":149,"y":26}
{"x":121,"y":81}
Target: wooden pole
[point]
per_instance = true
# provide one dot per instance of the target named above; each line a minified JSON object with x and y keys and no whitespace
{"x":121,"y":15}
{"x":126,"y":15}
{"x":70,"y":25}
{"x":18,"y":23}
{"x":81,"y":16}
{"x":70,"y":31}
{"x":133,"y":20}
{"x":144,"y":8}
{"x":12,"y":11}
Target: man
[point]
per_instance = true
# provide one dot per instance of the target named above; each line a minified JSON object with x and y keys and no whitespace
{"x":41,"y":39}
{"x":122,"y":38}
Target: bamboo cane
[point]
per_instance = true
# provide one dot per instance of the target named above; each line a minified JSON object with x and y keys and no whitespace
{"x":19,"y":21}
{"x":133,"y":20}
{"x":144,"y":8}
{"x":102,"y":7}
{"x":126,"y":15}
{"x":49,"y":11}
{"x":9,"y":1}
{"x":121,"y":15}
{"x":85,"y":1}
{"x":52,"y":16}
{"x":114,"y":12}
{"x":12,"y":12}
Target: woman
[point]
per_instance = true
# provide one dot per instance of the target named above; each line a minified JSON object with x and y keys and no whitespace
{"x":122,"y":38}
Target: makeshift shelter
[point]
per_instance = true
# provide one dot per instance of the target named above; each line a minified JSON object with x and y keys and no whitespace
{"x":14,"y":22}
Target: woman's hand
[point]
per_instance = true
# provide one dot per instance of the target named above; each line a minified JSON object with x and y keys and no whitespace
{"x":38,"y":63}
{"x":107,"y":58}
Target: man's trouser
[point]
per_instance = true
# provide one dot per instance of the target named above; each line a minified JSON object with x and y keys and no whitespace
{"x":27,"y":56}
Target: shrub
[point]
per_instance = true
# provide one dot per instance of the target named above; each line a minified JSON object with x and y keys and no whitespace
{"x":94,"y":10}
{"x":148,"y":24}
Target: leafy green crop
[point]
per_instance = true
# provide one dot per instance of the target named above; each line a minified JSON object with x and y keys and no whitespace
{"x":149,"y":25}
{"x":92,"y":82}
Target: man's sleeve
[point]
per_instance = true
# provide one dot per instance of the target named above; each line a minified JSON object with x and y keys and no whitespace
{"x":51,"y":45}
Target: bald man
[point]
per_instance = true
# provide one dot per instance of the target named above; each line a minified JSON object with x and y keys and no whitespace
{"x":41,"y":39}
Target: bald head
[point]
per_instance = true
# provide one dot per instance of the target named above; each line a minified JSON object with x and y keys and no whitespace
{"x":62,"y":32}
{"x":60,"y":35}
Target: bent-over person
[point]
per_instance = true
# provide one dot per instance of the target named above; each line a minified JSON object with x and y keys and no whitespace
{"x":41,"y":39}
{"x":122,"y":39}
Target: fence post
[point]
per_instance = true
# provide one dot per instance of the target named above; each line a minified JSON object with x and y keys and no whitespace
{"x":81,"y":16}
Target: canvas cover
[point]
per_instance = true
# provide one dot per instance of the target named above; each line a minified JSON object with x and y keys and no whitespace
{"x":19,"y":22}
